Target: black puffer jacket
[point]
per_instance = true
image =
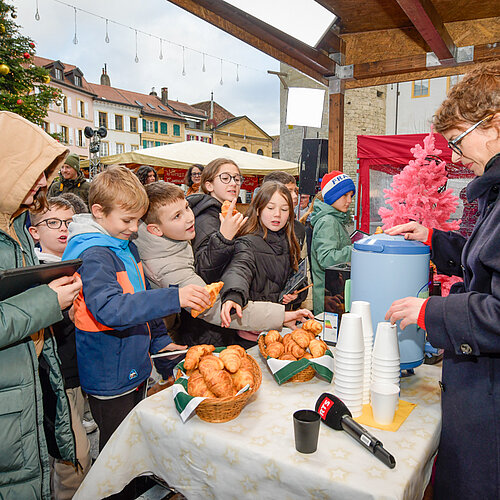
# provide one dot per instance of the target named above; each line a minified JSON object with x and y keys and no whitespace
{"x":259,"y":269}
{"x":212,"y":251}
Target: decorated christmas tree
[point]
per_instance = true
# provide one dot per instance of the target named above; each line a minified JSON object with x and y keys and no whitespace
{"x":419,"y":194}
{"x":23,"y":86}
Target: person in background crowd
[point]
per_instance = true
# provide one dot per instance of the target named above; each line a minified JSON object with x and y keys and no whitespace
{"x":30,"y":158}
{"x":49,"y":229}
{"x":213,"y":244}
{"x":291,"y":184}
{"x":267,"y":253}
{"x":330,"y":243}
{"x":146,"y":174}
{"x":71,"y":180}
{"x":193,"y":178}
{"x":466,"y":323}
{"x":76,"y":202}
{"x":303,"y":205}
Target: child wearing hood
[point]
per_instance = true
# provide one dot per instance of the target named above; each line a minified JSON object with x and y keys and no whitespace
{"x":164,"y":243}
{"x":331,"y":243}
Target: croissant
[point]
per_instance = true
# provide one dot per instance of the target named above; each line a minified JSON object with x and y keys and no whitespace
{"x":272,"y":336}
{"x":220,"y":383}
{"x":275,"y":349}
{"x":294,"y":349}
{"x":195,"y":353}
{"x":231,"y":359}
{"x":286,"y":339}
{"x":313,"y":326}
{"x":288,"y":357}
{"x":209,"y":364}
{"x":317,"y":348}
{"x":197,"y":386}
{"x":225,"y":209}
{"x":238,"y":349}
{"x":213,"y":290}
{"x":307,"y":355}
{"x":301,"y":337}
{"x":241,"y":378}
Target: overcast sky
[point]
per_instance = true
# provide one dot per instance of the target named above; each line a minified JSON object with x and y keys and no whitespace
{"x":255,"y":95}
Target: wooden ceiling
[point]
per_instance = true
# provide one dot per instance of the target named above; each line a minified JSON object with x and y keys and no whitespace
{"x":385,"y":41}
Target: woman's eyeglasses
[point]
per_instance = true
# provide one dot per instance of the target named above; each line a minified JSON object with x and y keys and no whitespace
{"x":453,"y":145}
{"x":226,"y":178}
{"x":55,"y":223}
{"x":195,"y":174}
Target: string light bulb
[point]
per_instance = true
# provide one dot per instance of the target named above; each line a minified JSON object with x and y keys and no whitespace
{"x":136,"y":56}
{"x":183,"y":62}
{"x":75,"y":39}
{"x":37,"y":15}
{"x":106,"y":39}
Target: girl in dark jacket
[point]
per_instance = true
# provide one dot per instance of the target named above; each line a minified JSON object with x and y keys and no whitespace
{"x":213,"y":245}
{"x":267,"y":253}
{"x":466,"y":323}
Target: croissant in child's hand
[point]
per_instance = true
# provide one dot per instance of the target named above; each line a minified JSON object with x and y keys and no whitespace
{"x":275,"y":349}
{"x":231,"y":359}
{"x":272,"y":336}
{"x":195,"y":353}
{"x":241,"y":378}
{"x":220,"y":383}
{"x":198,"y":387}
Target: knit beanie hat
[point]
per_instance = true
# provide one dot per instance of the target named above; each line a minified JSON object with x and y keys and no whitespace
{"x":334,"y":185}
{"x":73,"y":160}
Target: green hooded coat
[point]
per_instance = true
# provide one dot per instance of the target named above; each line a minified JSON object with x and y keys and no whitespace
{"x":24,"y":457}
{"x":331,"y":245}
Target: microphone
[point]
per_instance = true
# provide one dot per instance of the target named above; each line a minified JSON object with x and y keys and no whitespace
{"x":336,"y":415}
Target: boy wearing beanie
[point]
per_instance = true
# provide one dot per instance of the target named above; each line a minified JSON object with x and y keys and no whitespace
{"x":331,"y":243}
{"x":71,"y":180}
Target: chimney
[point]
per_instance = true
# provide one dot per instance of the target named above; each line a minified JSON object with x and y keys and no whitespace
{"x":153,"y":92}
{"x":211,"y":105}
{"x":164,"y":96}
{"x":104,"y":77}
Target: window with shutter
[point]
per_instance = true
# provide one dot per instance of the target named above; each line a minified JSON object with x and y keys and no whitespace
{"x":143,"y":125}
{"x":103,"y":119}
{"x":144,"y":144}
{"x":163,"y":128}
{"x":177,"y":130}
{"x":156,"y":127}
{"x":86,"y":110}
{"x":133,"y":124}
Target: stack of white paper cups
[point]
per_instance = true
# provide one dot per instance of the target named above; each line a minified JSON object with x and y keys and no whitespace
{"x":385,"y":362}
{"x":349,"y":363}
{"x":362,"y":308}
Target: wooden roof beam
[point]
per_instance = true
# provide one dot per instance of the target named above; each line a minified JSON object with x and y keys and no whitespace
{"x":262,"y":36}
{"x":429,"y":24}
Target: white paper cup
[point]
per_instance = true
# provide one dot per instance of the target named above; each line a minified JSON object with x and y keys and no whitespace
{"x":363,"y":308}
{"x":386,"y":369}
{"x":394,"y":363}
{"x":386,"y":345}
{"x":351,"y":385}
{"x":350,"y":337}
{"x":349,"y":355}
{"x":384,"y":401}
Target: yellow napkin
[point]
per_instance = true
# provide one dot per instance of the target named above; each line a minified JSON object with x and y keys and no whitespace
{"x":404,"y":409}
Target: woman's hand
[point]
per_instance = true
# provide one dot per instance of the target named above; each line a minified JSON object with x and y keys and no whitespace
{"x":301,"y":315}
{"x":230,"y":224}
{"x":67,"y":289}
{"x":195,"y":297}
{"x":411,"y":231}
{"x":289,"y":297}
{"x":406,"y":309}
{"x":173,"y":347}
{"x":225,"y":312}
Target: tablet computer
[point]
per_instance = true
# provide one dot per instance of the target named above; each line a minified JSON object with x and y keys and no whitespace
{"x":296,"y":280}
{"x":14,"y":281}
{"x":358,"y":235}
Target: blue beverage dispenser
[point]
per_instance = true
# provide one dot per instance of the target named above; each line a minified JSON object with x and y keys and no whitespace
{"x":386,"y":268}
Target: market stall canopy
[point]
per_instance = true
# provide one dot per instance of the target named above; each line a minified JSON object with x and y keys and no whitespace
{"x":184,"y":154}
{"x":369,"y":42}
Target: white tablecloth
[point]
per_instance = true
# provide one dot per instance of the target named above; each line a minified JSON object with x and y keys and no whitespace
{"x":254,"y":455}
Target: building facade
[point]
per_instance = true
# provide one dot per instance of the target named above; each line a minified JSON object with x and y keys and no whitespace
{"x":69,"y":116}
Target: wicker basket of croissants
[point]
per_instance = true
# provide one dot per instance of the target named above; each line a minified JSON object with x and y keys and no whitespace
{"x":301,"y":343}
{"x":219,"y":378}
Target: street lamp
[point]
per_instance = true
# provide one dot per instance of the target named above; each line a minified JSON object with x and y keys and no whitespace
{"x":95,"y":137}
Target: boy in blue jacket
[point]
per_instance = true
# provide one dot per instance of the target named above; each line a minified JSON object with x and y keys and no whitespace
{"x":117,"y":317}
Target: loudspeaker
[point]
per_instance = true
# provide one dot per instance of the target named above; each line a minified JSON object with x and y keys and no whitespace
{"x":313,"y":164}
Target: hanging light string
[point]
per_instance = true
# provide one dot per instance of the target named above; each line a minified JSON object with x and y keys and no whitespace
{"x":138,"y":31}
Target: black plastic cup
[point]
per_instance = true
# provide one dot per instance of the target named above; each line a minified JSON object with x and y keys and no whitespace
{"x":306,"y":429}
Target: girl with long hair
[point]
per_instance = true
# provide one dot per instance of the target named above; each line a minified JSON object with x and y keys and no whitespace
{"x":267,"y":253}
{"x":213,"y":245}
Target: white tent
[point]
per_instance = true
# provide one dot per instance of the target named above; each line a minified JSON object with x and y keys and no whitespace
{"x":184,"y":154}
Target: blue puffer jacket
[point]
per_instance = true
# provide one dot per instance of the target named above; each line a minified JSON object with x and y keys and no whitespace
{"x":117,"y":318}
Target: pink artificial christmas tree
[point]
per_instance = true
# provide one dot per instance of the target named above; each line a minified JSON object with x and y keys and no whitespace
{"x":419,"y":193}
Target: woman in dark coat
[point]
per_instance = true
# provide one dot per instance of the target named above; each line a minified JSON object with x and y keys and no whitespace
{"x":466,"y":324}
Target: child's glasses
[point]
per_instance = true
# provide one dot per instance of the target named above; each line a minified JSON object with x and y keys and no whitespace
{"x":226,"y":178}
{"x":55,"y":223}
